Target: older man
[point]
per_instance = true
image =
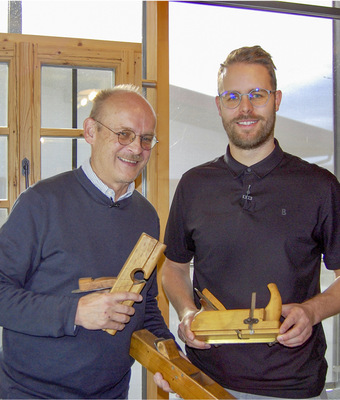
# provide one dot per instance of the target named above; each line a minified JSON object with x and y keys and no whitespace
{"x":83,"y":223}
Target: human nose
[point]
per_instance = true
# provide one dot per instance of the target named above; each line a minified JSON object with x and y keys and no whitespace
{"x":136,"y":145}
{"x":245,"y":103}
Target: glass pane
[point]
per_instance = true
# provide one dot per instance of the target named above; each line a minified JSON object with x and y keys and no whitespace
{"x":105,"y":20}
{"x":136,"y":382}
{"x":90,"y":81}
{"x":83,"y":151}
{"x":324,"y":3}
{"x":304,"y":124}
{"x":3,"y":168}
{"x":57,"y":84}
{"x":56,"y":97}
{"x":56,"y":155}
{"x":305,"y":75}
{"x":3,"y":93}
{"x":4,"y":16}
{"x":3,"y":218}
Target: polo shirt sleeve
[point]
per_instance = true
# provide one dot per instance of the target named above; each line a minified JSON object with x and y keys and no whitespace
{"x":178,"y":239}
{"x":330,"y":225}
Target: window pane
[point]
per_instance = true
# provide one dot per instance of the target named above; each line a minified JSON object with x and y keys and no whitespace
{"x":89,"y":82}
{"x":3,"y":217}
{"x":3,"y":93}
{"x":324,"y":3}
{"x":304,"y":73}
{"x":105,"y":20}
{"x":3,"y":16}
{"x":83,"y":151}
{"x":56,"y":155}
{"x":57,"y":84}
{"x":3,"y":168}
{"x":56,"y":97}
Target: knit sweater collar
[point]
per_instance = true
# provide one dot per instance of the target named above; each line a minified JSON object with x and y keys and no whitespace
{"x":97,"y":194}
{"x":93,"y":177}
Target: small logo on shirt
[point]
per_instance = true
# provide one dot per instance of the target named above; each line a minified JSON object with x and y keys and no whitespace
{"x":283,"y":211}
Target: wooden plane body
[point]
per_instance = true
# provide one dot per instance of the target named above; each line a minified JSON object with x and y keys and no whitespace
{"x":162,"y":355}
{"x":143,"y":257}
{"x":254,"y":325}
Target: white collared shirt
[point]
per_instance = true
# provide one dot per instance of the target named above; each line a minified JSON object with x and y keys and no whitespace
{"x":98,"y":183}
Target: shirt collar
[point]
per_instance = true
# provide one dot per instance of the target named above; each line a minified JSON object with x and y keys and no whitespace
{"x":86,"y":167}
{"x":261,"y":169}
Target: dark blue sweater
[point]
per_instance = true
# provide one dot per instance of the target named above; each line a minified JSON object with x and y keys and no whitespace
{"x":60,"y":230}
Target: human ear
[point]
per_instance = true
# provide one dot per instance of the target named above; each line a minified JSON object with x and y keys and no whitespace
{"x":218,"y":105}
{"x":278,"y":98}
{"x":89,"y":130}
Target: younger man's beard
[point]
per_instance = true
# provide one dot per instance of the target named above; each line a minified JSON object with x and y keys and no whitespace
{"x":265,"y":132}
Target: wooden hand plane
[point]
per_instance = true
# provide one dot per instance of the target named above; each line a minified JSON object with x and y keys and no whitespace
{"x":215,"y":324}
{"x":143,"y":257}
{"x":162,"y":355}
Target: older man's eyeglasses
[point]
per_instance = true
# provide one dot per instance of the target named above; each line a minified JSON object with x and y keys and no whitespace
{"x":258,"y":97}
{"x":127,"y":136}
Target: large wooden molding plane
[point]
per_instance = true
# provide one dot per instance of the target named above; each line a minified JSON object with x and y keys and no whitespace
{"x":143,"y":257}
{"x":215,"y":324}
{"x":162,"y":355}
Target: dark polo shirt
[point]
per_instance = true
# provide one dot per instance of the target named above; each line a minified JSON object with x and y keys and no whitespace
{"x":247,"y":227}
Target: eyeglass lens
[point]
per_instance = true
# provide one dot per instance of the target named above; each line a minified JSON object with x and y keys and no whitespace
{"x":258,"y":98}
{"x":126,"y":137}
{"x":146,"y":141}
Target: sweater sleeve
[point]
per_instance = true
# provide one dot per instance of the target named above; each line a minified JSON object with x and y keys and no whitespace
{"x":33,"y":312}
{"x":154,"y":321}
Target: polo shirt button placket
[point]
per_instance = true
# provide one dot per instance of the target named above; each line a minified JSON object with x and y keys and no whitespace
{"x":247,"y":198}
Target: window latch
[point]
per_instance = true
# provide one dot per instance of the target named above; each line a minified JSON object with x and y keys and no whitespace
{"x":25,"y":164}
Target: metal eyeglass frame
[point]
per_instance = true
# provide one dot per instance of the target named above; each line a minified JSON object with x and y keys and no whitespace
{"x":269,"y":92}
{"x":119,"y":133}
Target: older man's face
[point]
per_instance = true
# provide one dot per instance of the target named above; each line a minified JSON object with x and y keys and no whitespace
{"x":115,"y":164}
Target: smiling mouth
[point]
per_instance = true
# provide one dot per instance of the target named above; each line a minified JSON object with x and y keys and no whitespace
{"x":128,"y":161}
{"x":247,"y":123}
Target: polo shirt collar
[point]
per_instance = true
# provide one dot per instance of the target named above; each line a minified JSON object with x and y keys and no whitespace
{"x":261,"y":169}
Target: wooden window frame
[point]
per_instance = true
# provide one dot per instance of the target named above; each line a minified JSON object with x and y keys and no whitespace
{"x":7,"y":55}
{"x":157,"y":73}
{"x":26,"y":54}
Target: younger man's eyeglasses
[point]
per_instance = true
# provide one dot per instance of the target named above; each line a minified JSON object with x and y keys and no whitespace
{"x":258,"y":97}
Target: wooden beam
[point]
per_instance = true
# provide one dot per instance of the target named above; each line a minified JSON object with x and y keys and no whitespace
{"x":8,"y":55}
{"x":157,"y":73}
{"x":25,"y":79}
